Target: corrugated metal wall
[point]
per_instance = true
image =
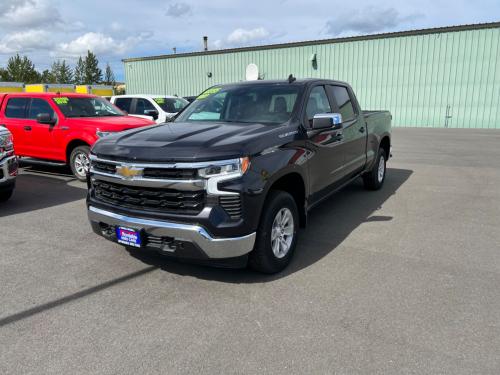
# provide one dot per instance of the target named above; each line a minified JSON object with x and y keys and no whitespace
{"x":420,"y":78}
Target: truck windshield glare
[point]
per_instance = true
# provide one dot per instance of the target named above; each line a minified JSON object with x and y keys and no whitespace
{"x":86,"y":107}
{"x":267,"y":104}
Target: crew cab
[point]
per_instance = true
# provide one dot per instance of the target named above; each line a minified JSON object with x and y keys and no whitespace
{"x":61,"y":128}
{"x":234,"y":176}
{"x":159,"y":108}
{"x":8,"y":165}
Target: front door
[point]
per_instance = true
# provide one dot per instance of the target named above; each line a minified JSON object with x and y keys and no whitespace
{"x":42,"y":142}
{"x":325,"y":145}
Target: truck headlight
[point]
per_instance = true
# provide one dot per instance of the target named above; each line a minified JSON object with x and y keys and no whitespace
{"x":225,"y":167}
{"x":6,"y":144}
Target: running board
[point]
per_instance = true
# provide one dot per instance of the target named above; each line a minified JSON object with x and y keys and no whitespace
{"x":42,"y":162}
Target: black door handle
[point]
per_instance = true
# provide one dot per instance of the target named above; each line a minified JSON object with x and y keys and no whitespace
{"x":362,"y":129}
{"x":27,"y":128}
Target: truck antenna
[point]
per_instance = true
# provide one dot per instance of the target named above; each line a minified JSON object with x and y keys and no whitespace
{"x":291,"y":78}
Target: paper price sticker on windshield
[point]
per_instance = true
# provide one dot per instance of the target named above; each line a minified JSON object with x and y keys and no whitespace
{"x":159,"y":100}
{"x":207,"y":93}
{"x":62,"y":100}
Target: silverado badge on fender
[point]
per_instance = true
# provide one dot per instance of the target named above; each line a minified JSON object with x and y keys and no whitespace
{"x":128,"y":172}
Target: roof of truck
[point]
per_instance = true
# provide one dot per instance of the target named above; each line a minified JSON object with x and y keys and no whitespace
{"x":47,"y":94}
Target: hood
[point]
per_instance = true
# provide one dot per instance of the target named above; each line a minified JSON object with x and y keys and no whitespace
{"x":111,"y":122}
{"x":191,"y":141}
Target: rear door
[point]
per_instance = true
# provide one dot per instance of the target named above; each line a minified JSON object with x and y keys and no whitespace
{"x":354,"y":129}
{"x":125,"y":104}
{"x":14,"y":110}
{"x":43,"y":141}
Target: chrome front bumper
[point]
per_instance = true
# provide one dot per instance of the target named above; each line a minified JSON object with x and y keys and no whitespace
{"x":4,"y":167}
{"x":215,"y":248}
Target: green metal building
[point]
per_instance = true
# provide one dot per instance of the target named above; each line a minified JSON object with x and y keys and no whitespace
{"x":442,"y":77}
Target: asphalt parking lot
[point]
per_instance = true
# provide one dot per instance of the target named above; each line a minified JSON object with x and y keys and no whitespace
{"x":399,"y":281}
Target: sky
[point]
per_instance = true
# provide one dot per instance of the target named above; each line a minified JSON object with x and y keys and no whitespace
{"x":47,"y":30}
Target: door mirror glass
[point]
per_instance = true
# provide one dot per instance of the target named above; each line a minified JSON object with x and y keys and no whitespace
{"x":327,"y":120}
{"x":152,"y":112}
{"x":45,"y":118}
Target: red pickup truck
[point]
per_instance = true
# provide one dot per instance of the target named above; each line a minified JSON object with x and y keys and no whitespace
{"x":61,"y":128}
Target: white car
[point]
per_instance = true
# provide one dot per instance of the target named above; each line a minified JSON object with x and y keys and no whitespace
{"x":158,"y":108}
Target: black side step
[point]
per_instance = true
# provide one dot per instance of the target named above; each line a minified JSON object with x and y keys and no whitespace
{"x":42,"y":162}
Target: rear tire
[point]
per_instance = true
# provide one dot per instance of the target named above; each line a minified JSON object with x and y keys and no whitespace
{"x":5,"y":195}
{"x":276,"y":235}
{"x":374,"y":179}
{"x":79,"y":162}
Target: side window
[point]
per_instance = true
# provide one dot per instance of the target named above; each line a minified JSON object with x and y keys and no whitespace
{"x":317,"y":103}
{"x":16,"y":107}
{"x":123,"y":104}
{"x":39,"y":106}
{"x":142,"y":105}
{"x":346,"y":109}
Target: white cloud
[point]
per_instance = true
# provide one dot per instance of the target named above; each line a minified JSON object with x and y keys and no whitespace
{"x":25,"y":41}
{"x":366,"y":20}
{"x":178,"y":9}
{"x":28,"y":13}
{"x":242,"y":36}
{"x":98,"y":43}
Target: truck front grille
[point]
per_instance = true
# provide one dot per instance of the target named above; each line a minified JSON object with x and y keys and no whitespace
{"x":104,"y":167}
{"x":154,"y":173}
{"x":232,"y":205}
{"x":151,"y":199}
{"x":170,"y":173}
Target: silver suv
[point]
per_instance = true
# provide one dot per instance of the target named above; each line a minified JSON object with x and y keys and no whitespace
{"x":8,"y":165}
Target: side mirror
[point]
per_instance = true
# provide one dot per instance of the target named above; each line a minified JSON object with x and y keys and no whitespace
{"x":152,"y":112}
{"x":45,"y":118}
{"x":327,"y":120}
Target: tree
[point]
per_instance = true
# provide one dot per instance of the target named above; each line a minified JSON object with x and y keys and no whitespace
{"x":21,"y":69}
{"x":109,"y":77}
{"x":61,"y":72}
{"x":79,"y":74}
{"x":92,"y":73}
{"x":47,"y":77}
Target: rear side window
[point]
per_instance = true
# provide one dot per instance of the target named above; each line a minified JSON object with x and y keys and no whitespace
{"x":346,"y":109}
{"x":124,"y":104}
{"x":16,"y":107}
{"x":39,"y":106}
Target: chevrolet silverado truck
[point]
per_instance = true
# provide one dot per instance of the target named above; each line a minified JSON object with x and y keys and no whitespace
{"x":53,"y":128}
{"x":8,"y":165}
{"x":234,"y":176}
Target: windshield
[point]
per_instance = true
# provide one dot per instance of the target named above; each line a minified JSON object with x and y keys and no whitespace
{"x":171,"y":105}
{"x":86,"y":107}
{"x":268,"y":104}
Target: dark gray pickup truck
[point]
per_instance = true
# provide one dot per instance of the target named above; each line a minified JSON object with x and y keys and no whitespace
{"x":8,"y":165}
{"x":234,"y":176}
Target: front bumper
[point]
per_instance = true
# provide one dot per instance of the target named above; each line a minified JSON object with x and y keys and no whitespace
{"x":171,"y":237}
{"x":8,"y":171}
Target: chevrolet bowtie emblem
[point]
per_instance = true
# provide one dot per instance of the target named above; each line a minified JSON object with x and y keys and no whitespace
{"x":128,"y":172}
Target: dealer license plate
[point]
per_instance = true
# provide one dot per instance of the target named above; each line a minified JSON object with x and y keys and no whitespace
{"x":129,"y":237}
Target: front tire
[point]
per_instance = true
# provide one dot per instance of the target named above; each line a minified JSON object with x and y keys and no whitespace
{"x":5,"y":195}
{"x":374,"y":179}
{"x":276,"y":235}
{"x":79,"y":162}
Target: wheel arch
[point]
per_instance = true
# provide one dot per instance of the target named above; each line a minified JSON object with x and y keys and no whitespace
{"x":72,"y":145}
{"x":385,"y":143}
{"x":294,"y":184}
